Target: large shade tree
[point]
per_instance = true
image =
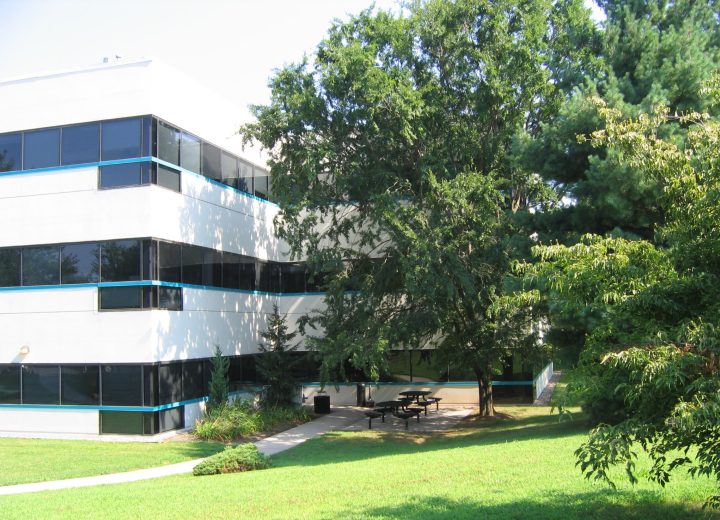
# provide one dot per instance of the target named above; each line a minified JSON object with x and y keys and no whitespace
{"x":390,"y":159}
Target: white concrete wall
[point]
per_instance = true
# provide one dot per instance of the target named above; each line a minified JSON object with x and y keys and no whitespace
{"x":43,"y":420}
{"x":193,"y":413}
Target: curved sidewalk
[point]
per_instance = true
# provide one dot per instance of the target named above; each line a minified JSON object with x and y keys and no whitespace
{"x":340,"y":418}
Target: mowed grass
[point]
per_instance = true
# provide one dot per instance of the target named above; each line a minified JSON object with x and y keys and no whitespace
{"x":522,"y":468}
{"x":36,"y":460}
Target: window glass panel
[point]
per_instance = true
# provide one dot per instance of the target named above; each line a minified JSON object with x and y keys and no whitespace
{"x":262,"y":183}
{"x":170,"y":377}
{"x":212,"y":268}
{"x":231,"y":270}
{"x":248,"y":273}
{"x":149,"y":262}
{"x":127,"y":423}
{"x":170,"y":298}
{"x":121,"y":385}
{"x":211,"y":161}
{"x":42,"y":148}
{"x":10,"y":152}
{"x":122,"y":175}
{"x":190,"y":153}
{"x":80,"y":263}
{"x":168,"y":143}
{"x":245,"y":182}
{"x":192,"y":380}
{"x":121,"y":298}
{"x":121,"y":261}
{"x":40,"y":384}
{"x":80,"y":384}
{"x":10,"y":267}
{"x":121,"y":139}
{"x":229,"y":170}
{"x":41,"y":265}
{"x":149,"y":141}
{"x":171,"y":419}
{"x":150,"y":380}
{"x":81,"y":144}
{"x":170,"y":262}
{"x":168,"y":178}
{"x":293,"y":278}
{"x":10,"y":384}
{"x":269,"y":276}
{"x":192,"y":259}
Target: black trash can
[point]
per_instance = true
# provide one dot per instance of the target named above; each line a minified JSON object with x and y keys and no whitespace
{"x":361,"y":394}
{"x":322,"y":403}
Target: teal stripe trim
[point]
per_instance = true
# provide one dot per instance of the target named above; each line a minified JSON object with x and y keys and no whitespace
{"x":63,"y":167}
{"x":145,"y":283}
{"x":415,"y":383}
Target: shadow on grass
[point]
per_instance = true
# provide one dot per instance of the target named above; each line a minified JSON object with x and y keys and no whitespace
{"x":596,"y":505}
{"x":338,"y":447}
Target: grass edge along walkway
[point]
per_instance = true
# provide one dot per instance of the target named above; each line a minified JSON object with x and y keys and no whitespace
{"x":340,"y":417}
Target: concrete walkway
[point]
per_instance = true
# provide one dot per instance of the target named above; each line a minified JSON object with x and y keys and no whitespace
{"x":337,"y":420}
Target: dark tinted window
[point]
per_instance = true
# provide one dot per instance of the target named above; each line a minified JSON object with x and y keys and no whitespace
{"x":212,"y":268}
{"x":170,"y":298}
{"x":262,"y":183}
{"x":128,"y":423}
{"x":168,"y":178}
{"x":171,"y":419}
{"x":10,"y":384}
{"x":9,"y":267}
{"x":247,"y":273}
{"x":41,"y":265}
{"x":211,"y":162}
{"x":121,"y":261}
{"x":168,"y":143}
{"x":121,"y":175}
{"x":190,"y":153}
{"x":81,"y":384}
{"x":231,"y":270}
{"x":150,"y":382}
{"x":112,"y":298}
{"x":10,"y":152}
{"x":169,"y":262}
{"x":192,"y":258}
{"x":121,"y":385}
{"x":80,"y":263}
{"x":269,"y":277}
{"x":81,"y":144}
{"x":121,"y":139}
{"x":41,"y":384}
{"x":170,"y":377}
{"x":229,"y":170}
{"x":42,"y":148}
{"x":245,"y":182}
{"x":293,"y":278}
{"x":193,"y":386}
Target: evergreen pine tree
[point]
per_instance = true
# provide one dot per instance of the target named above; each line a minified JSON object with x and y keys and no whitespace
{"x":276,"y":362}
{"x":219,"y":384}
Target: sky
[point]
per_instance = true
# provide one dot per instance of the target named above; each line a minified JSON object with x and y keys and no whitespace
{"x":232,"y":46}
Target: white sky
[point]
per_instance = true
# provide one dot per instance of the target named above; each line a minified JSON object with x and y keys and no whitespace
{"x":232,"y":46}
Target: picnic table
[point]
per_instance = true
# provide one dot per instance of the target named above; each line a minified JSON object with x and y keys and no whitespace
{"x":415,"y":394}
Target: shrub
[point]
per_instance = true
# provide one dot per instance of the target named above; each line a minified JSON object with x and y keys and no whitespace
{"x":233,"y":420}
{"x":244,"y":457}
{"x":219,"y":384}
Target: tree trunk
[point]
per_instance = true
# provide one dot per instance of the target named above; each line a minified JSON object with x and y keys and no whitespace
{"x":485,"y":397}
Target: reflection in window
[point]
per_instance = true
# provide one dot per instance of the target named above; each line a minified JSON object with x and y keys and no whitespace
{"x":121,"y":261}
{"x":169,"y":298}
{"x":231,"y":270}
{"x":10,"y":267}
{"x":42,"y":149}
{"x":41,"y":384}
{"x":10,"y":152}
{"x":10,"y":384}
{"x":229,"y":170}
{"x":121,"y":385}
{"x":168,"y":143}
{"x":121,"y":139}
{"x":41,"y":265}
{"x":192,"y":380}
{"x":170,"y":388}
{"x":115,"y":298}
{"x":123,"y":175}
{"x":80,"y":385}
{"x":293,"y":278}
{"x":190,"y":153}
{"x":169,"y":262}
{"x":262,"y":184}
{"x":245,"y":182}
{"x":81,"y":144}
{"x":211,"y":162}
{"x":168,"y":178}
{"x":80,"y":263}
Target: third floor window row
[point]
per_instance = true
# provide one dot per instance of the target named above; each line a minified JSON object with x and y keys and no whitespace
{"x":128,"y":139}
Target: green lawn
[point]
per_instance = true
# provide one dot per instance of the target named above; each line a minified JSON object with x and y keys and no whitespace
{"x":35,"y":460}
{"x":522,"y":468}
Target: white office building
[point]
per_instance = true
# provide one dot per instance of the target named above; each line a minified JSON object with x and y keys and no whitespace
{"x":134,"y":238}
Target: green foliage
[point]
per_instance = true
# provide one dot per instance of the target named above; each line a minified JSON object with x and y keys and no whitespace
{"x":244,"y":457}
{"x":219,"y":381}
{"x":276,"y":363}
{"x":240,"y":418}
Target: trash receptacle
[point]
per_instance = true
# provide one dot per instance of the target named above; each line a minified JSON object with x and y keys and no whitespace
{"x":361,"y":394}
{"x":322,"y":403}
